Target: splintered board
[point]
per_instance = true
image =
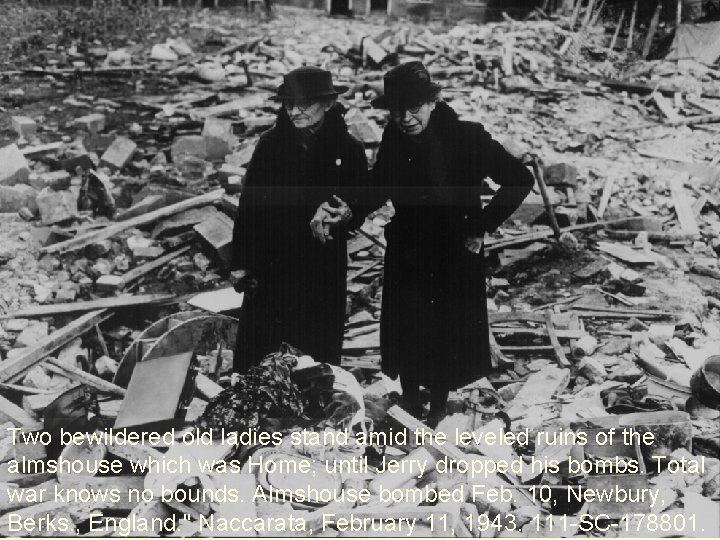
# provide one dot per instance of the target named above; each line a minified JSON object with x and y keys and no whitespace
{"x":154,"y":390}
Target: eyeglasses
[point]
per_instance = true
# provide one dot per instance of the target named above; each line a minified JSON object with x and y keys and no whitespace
{"x":411,"y":110}
{"x":303,"y":106}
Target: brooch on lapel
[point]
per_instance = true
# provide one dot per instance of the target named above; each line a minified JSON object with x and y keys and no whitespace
{"x":338,"y":162}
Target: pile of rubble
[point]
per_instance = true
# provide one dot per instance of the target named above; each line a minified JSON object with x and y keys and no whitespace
{"x":116,"y":230}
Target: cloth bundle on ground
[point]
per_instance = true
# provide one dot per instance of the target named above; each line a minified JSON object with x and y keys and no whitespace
{"x":285,"y":389}
{"x":265,"y":392}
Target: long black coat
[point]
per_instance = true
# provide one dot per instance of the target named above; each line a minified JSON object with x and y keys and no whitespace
{"x":302,"y":283}
{"x":434,"y":323}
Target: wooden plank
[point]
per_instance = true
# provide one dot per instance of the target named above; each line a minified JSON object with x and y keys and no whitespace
{"x":665,"y":107}
{"x":629,"y":43}
{"x":537,"y":332}
{"x":694,"y":120}
{"x":605,"y":199}
{"x":139,"y":271}
{"x":617,"y":31}
{"x":9,"y":412}
{"x":540,"y":387}
{"x":83,"y":377}
{"x":683,"y":209}
{"x":559,"y":353}
{"x":116,"y":228}
{"x":525,"y":316}
{"x":495,"y":244}
{"x":651,"y":31}
{"x":11,"y":369}
{"x":91,"y":305}
{"x":625,"y":253}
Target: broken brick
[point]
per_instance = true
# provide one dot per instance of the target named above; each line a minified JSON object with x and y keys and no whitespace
{"x":219,"y":138}
{"x":14,"y":198}
{"x":192,"y":145}
{"x":13,"y":166}
{"x":94,"y":123}
{"x":119,"y":154}
{"x":24,"y":126}
{"x":57,"y":206}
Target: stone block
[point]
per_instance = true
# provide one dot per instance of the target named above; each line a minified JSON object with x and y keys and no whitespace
{"x":84,"y":161}
{"x":13,"y":166}
{"x":145,"y":253}
{"x":56,"y":180}
{"x":226,"y":171}
{"x":219,"y":138}
{"x":94,"y":123}
{"x":16,"y":325}
{"x":119,"y":154}
{"x":65,"y":295}
{"x":109,"y":282}
{"x":14,"y":198}
{"x":592,"y":369}
{"x":192,"y":145}
{"x":24,"y":126}
{"x":33,"y":333}
{"x":560,"y":174}
{"x":57,"y":206}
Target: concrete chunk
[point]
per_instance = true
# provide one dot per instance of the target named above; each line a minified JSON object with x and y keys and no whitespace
{"x":32,"y":334}
{"x":219,"y":138}
{"x":109,"y":282}
{"x":94,"y":123}
{"x":24,"y":126}
{"x":57,"y":206}
{"x":13,"y":166}
{"x":56,"y":180}
{"x":192,"y":145}
{"x":119,"y":154}
{"x":14,"y":198}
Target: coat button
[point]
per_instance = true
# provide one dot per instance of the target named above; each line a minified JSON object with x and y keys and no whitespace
{"x":338,"y":162}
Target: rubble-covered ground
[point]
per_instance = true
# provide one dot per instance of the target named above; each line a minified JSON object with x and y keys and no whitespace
{"x":123,"y":140}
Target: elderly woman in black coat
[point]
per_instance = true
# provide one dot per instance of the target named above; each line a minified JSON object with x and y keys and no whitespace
{"x":434,"y":322}
{"x":290,"y":230}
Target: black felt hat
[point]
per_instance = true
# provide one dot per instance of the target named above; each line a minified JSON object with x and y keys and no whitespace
{"x":306,"y":83}
{"x":407,"y":85}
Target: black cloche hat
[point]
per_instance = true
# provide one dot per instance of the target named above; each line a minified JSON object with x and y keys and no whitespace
{"x":407,"y":85}
{"x":305,"y":83}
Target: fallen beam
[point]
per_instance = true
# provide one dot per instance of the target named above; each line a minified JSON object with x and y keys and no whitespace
{"x":83,"y":377}
{"x":116,"y":228}
{"x":559,"y":353}
{"x":9,"y":412}
{"x":140,"y":271}
{"x":90,"y":305}
{"x":10,"y":369}
{"x":501,"y":243}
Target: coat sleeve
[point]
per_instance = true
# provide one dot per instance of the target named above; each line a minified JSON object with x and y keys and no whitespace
{"x":515,"y":180}
{"x":247,"y":221}
{"x":375,"y":191}
{"x":356,"y":183}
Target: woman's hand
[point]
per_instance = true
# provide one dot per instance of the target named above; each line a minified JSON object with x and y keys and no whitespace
{"x":474,"y":243}
{"x":320,"y":229}
{"x":338,"y":215}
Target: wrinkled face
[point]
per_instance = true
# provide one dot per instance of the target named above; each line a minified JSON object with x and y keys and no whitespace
{"x":414,"y":120}
{"x":307,"y":113}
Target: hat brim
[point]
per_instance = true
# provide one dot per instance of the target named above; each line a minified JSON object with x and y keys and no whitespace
{"x":281,"y":96}
{"x":382,"y":102}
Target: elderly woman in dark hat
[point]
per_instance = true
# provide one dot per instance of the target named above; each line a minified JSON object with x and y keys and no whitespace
{"x":434,"y":323}
{"x":290,"y":230}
